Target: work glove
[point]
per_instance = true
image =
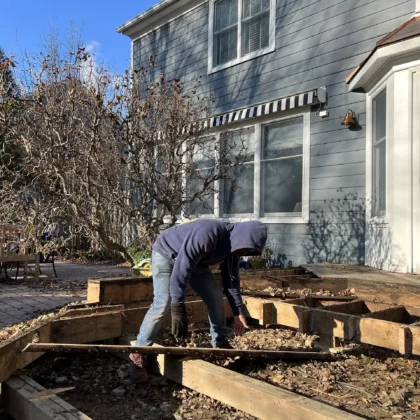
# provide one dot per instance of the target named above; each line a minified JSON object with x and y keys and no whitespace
{"x":179,"y":321}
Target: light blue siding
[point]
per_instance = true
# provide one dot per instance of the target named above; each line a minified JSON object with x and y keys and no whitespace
{"x":318,"y":43}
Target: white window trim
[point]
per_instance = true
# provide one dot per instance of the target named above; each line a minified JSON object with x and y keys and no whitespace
{"x":371,"y":218}
{"x":239,"y":59}
{"x":284,"y":218}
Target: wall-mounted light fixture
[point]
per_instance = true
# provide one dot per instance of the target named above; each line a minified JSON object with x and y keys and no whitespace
{"x":350,"y":119}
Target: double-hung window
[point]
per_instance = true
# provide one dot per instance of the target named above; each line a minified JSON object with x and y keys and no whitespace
{"x":271,"y":181}
{"x":379,"y":155}
{"x":240,"y":30}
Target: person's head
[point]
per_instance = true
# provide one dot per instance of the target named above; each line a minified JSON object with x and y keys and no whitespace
{"x":248,"y":238}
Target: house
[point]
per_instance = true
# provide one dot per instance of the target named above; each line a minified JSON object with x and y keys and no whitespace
{"x":285,"y":74}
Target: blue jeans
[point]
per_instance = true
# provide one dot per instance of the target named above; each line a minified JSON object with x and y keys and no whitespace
{"x":202,"y":282}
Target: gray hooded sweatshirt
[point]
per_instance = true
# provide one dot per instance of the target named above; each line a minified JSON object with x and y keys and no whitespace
{"x":204,"y":242}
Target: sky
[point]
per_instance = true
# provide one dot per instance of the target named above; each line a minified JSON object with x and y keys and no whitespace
{"x":23,"y":22}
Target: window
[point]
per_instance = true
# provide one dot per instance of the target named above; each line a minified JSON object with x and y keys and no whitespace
{"x":379,"y":155}
{"x":238,"y":191}
{"x":203,"y":158}
{"x":272,"y":182}
{"x":240,"y":30}
{"x":225,"y":31}
{"x":282,"y":167}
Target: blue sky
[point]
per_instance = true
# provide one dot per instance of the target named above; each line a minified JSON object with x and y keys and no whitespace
{"x":24,"y":21}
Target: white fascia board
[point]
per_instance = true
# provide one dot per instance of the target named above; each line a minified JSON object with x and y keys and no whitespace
{"x":156,"y":16}
{"x":144,"y":15}
{"x":382,"y":57}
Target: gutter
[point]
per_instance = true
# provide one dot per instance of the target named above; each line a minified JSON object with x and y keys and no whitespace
{"x":145,"y":15}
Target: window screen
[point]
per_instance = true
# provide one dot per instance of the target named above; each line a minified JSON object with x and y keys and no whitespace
{"x":225,"y":31}
{"x":255,"y":25}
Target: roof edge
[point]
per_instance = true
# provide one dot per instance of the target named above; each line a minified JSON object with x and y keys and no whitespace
{"x":145,"y":15}
{"x":382,"y":43}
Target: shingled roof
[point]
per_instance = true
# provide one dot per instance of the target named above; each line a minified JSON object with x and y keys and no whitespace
{"x":408,"y":30}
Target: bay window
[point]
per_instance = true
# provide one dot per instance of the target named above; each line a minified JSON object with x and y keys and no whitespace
{"x":240,"y":30}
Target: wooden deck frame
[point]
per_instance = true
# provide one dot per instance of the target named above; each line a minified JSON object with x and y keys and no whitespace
{"x":347,"y":321}
{"x":87,"y":328}
{"x":250,"y":395}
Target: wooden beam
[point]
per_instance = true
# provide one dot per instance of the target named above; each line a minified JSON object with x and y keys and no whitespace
{"x":379,"y":333}
{"x":395,"y":314}
{"x":247,"y":394}
{"x":19,"y":401}
{"x":356,"y":307}
{"x":122,"y":290}
{"x":11,"y":356}
{"x":415,"y":337}
{"x":176,"y":351}
{"x":86,"y":329}
{"x":406,"y":341}
{"x":74,"y":313}
{"x":119,"y":290}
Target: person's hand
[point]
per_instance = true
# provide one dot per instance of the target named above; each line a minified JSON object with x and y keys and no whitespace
{"x":179,"y":321}
{"x":240,"y":325}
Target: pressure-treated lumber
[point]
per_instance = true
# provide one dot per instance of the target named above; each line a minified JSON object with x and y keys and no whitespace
{"x":363,"y":328}
{"x":11,"y":356}
{"x":17,"y":401}
{"x":254,"y":397}
{"x":395,"y":314}
{"x":123,"y":289}
{"x":85,"y":329}
{"x":175,"y":351}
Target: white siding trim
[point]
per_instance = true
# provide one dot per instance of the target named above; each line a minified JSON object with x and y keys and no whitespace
{"x":239,"y":59}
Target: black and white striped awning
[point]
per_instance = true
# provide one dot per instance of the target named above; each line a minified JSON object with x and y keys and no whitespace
{"x":284,"y":104}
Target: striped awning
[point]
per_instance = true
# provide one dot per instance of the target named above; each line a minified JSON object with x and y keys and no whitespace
{"x":284,"y":104}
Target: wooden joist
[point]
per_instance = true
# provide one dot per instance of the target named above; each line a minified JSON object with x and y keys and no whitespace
{"x":176,"y":351}
{"x":19,"y":396}
{"x":254,"y":397}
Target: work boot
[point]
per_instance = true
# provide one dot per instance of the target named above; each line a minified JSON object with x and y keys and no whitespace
{"x":224,"y":345}
{"x":151,"y":364}
{"x":138,"y":373}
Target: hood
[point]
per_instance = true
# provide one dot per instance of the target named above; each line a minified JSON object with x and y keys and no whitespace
{"x":251,"y":235}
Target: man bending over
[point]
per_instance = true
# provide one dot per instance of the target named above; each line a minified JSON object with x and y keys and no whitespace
{"x":183,"y":254}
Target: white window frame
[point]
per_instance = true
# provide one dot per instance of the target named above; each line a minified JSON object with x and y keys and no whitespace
{"x":288,"y":218}
{"x":370,"y":211}
{"x":239,"y":57}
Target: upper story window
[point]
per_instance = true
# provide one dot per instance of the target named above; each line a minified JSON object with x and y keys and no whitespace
{"x":240,"y":30}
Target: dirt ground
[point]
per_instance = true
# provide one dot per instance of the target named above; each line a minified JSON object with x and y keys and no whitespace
{"x":377,"y":384}
{"x":104,"y":392}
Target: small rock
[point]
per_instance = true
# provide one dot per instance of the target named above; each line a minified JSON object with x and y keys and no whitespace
{"x":61,"y":380}
{"x":118,"y":392}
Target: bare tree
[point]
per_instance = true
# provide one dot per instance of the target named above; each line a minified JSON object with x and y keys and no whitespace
{"x":107,"y":151}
